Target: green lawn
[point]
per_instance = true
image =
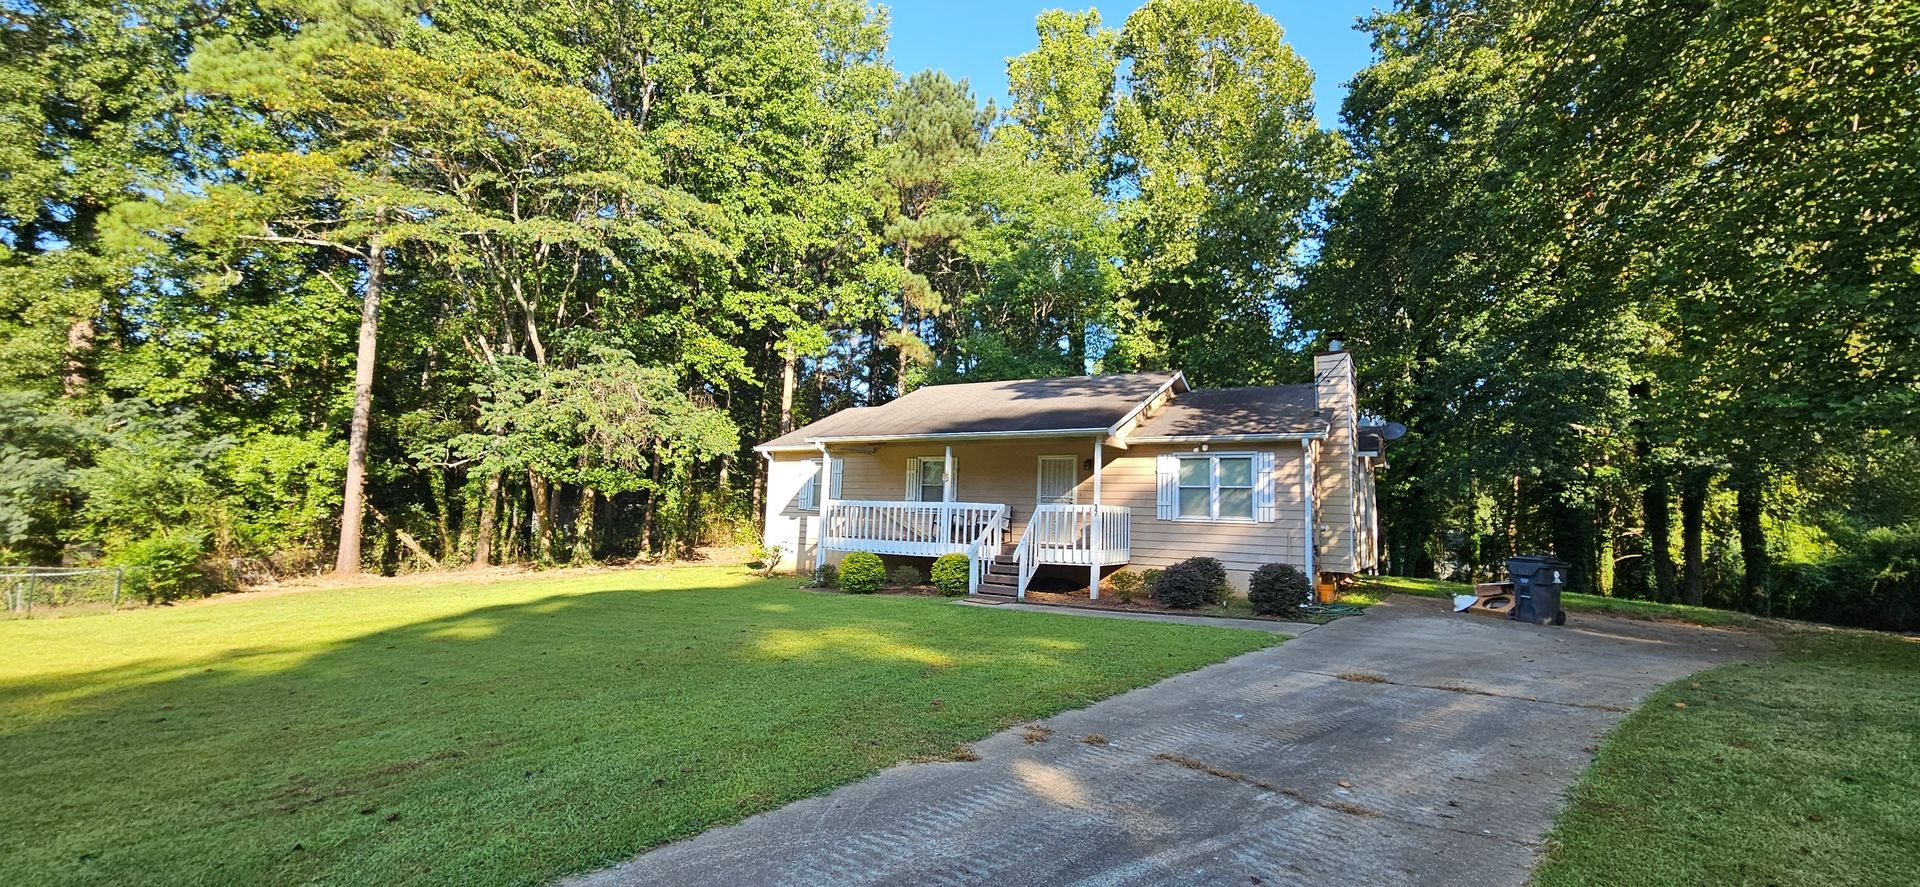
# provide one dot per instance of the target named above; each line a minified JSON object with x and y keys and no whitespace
{"x":505,"y":732}
{"x":1374,"y":589}
{"x":1799,"y":769}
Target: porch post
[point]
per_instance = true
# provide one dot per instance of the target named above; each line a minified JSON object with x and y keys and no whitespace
{"x":946,"y":498}
{"x":824,"y":493}
{"x":1093,"y":580}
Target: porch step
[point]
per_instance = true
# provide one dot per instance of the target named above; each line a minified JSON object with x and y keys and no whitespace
{"x":991,"y":589}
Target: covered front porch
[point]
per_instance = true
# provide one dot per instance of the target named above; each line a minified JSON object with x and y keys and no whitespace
{"x":1004,"y":547}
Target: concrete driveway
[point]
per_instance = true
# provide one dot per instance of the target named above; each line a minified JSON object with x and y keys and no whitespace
{"x":1409,"y":745}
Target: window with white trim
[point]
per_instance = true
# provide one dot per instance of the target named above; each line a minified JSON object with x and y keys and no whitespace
{"x":1214,"y":486}
{"x":810,"y":490}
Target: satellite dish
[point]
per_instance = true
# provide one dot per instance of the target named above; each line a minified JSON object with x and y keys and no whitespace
{"x":1393,"y":431}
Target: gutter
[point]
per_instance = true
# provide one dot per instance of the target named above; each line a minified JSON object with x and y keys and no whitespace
{"x":1210,"y":438}
{"x":816,"y":442}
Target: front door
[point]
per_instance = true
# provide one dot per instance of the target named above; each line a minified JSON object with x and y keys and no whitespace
{"x":1059,"y":475}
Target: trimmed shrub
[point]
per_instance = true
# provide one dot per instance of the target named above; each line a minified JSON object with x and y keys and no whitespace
{"x":905,"y":576}
{"x":1148,"y":579}
{"x":862,"y":572}
{"x":1193,"y":582}
{"x":1127,"y":585}
{"x":950,"y":574}
{"x":825,"y":576}
{"x":1278,"y":588}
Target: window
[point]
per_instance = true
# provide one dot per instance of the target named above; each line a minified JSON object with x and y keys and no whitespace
{"x":1215,"y":487}
{"x":810,"y":490}
{"x":926,"y":478}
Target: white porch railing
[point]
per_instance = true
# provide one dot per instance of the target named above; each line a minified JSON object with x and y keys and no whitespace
{"x":919,"y":529}
{"x":1076,"y":535}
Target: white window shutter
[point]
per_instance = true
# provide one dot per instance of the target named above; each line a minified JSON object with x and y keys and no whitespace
{"x":1168,"y":468}
{"x":810,"y":490}
{"x":837,"y":483}
{"x":913,"y":479}
{"x":1263,"y":510}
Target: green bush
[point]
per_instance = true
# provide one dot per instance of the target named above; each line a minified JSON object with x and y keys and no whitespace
{"x":1193,"y":582}
{"x":1278,"y":588}
{"x":905,"y":576}
{"x":164,"y":566}
{"x":825,"y":576}
{"x":950,"y":574}
{"x":862,"y":572}
{"x":1148,"y":579}
{"x":1127,"y":585}
{"x":1871,"y":581}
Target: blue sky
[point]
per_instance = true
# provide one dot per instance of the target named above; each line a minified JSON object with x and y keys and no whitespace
{"x":973,"y":39}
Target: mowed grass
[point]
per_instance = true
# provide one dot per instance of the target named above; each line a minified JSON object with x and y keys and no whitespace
{"x":503,"y":732}
{"x":1374,"y":589}
{"x":1800,"y":769}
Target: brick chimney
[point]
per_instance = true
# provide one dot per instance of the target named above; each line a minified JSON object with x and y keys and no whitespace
{"x":1336,"y":390}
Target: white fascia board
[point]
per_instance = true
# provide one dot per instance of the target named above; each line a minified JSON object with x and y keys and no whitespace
{"x":1216,"y":438}
{"x":953,"y":436}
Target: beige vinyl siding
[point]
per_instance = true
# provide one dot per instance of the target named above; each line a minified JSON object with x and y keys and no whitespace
{"x":1367,"y":518}
{"x":1338,"y":464}
{"x":1130,"y":479}
{"x":788,"y":526}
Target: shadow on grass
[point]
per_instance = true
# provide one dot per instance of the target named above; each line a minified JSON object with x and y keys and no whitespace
{"x":516,"y":742}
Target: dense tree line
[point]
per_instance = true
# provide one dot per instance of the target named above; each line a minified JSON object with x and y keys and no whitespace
{"x":1620,"y":261}
{"x":376,"y":285}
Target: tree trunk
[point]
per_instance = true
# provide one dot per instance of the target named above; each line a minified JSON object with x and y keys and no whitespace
{"x":489,"y":518}
{"x":1693,"y":505}
{"x":649,"y":518}
{"x":584,"y":540}
{"x":1656,"y":504}
{"x":73,"y":382}
{"x":353,"y":501}
{"x":541,"y":492}
{"x":787,"y":361}
{"x":1749,"y":487}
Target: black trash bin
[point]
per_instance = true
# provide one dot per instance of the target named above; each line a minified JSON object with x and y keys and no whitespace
{"x":1537,"y":580}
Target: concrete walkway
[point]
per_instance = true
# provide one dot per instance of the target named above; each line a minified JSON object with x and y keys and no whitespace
{"x":1272,"y":625}
{"x":1406,"y":746}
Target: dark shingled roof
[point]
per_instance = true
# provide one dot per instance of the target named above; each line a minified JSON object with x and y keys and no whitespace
{"x":1275,"y":409}
{"x":1075,"y":403}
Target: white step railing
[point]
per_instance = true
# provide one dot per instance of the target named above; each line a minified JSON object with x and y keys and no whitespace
{"x":983,"y":548}
{"x":921,"y":529}
{"x":1075,"y":535}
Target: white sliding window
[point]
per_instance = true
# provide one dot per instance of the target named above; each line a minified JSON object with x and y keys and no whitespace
{"x":1216,"y":487}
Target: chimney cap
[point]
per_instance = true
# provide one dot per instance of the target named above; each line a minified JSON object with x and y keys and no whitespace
{"x":1337,"y":341}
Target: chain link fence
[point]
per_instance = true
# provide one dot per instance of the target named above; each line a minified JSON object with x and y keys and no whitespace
{"x":45,"y":589}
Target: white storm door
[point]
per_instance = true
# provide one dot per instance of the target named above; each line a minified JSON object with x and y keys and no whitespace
{"x":1059,"y":476}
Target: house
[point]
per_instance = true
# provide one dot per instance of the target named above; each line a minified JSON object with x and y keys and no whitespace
{"x":1079,"y":476}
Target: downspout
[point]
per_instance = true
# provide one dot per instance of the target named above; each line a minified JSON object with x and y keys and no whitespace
{"x":1306,"y":507}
